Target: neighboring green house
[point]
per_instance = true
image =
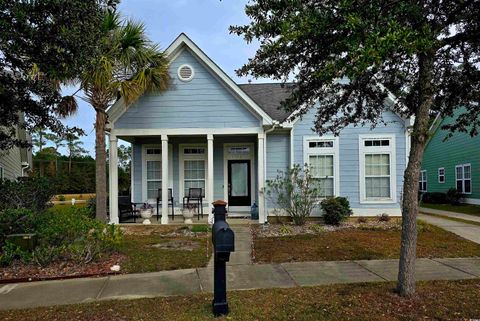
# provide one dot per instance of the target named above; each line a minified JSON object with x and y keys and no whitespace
{"x":451,"y":163}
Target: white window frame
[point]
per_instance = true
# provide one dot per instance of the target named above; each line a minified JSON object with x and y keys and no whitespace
{"x":390,"y":150}
{"x":182,"y":158}
{"x":324,"y":151}
{"x":442,"y":175}
{"x":156,"y":157}
{"x":421,"y":180}
{"x":463,"y":178}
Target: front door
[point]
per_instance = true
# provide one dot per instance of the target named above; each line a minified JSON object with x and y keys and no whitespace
{"x":239,"y":183}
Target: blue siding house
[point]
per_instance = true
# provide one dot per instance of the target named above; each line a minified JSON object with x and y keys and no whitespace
{"x":228,"y":139}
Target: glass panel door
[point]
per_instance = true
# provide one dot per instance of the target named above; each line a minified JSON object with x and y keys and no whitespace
{"x":239,"y":183}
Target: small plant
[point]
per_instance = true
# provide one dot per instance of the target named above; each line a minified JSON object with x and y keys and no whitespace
{"x":335,"y":210}
{"x":146,"y":206}
{"x":285,"y":229}
{"x":294,"y":192}
{"x":61,"y":198}
{"x":317,"y":228}
{"x":91,"y":207}
{"x":361,"y":219}
{"x":383,"y":217}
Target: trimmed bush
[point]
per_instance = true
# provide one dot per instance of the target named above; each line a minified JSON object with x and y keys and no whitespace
{"x":453,"y":196}
{"x":13,"y":221}
{"x":383,"y":217}
{"x":32,"y":193}
{"x":335,"y":210}
{"x":434,"y":198}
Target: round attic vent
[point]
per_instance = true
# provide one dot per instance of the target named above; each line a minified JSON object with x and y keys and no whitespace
{"x":185,"y":72}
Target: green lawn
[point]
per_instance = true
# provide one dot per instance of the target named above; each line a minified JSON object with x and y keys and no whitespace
{"x":155,"y":248}
{"x":358,"y":244}
{"x":435,"y":300}
{"x":463,"y":208}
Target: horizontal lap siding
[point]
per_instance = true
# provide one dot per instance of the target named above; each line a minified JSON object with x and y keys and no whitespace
{"x":277,"y":157}
{"x":457,"y":150}
{"x":11,"y":162}
{"x":349,"y":153}
{"x":202,"y":102}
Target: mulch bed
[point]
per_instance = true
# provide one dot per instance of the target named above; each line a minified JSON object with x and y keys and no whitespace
{"x":60,"y":270}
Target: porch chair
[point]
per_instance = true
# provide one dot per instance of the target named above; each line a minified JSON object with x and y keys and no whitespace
{"x":195,"y":198}
{"x":170,"y":202}
{"x":127,"y":209}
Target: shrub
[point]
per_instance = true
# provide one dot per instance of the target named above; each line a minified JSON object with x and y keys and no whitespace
{"x":453,"y":196}
{"x":383,"y":217}
{"x":317,"y":228}
{"x":32,"y":193}
{"x":361,"y":219}
{"x":14,"y":221}
{"x":295,"y":192}
{"x":68,"y":234}
{"x":61,"y":198}
{"x":335,"y":210}
{"x":91,"y":207}
{"x":434,"y":198}
{"x":11,"y":252}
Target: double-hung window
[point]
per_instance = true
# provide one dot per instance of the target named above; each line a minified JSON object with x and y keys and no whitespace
{"x":153,"y":160}
{"x":194,"y":168}
{"x":464,"y":178}
{"x":441,"y":175}
{"x":422,"y":182}
{"x":377,"y":169}
{"x":321,"y":155}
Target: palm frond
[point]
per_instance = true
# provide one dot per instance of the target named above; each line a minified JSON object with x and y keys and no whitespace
{"x":67,"y":107}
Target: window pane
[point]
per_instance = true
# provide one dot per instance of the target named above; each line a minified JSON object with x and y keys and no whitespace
{"x":460,"y":186}
{"x":239,"y":179}
{"x":468,"y":186}
{"x":326,"y":187}
{"x":467,"y":172}
{"x":377,"y":165}
{"x":459,"y":172}
{"x":194,"y":169}
{"x":152,"y":188}
{"x":194,"y":184}
{"x":377,"y":187}
{"x":154,"y":170}
{"x":321,"y":165}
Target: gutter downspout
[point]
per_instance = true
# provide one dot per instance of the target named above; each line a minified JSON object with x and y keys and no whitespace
{"x":274,"y":126}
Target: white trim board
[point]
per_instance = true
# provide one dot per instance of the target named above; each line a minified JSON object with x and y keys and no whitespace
{"x":185,"y":131}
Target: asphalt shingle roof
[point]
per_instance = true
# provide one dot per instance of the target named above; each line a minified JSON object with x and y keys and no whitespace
{"x":269,"y":96}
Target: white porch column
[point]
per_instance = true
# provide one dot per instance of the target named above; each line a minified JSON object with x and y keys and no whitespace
{"x":210,"y":176}
{"x":262,"y":217}
{"x":164,"y":179}
{"x":113,"y":180}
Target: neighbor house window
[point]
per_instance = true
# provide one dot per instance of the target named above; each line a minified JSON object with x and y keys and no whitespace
{"x":194,"y":169}
{"x":377,"y":169}
{"x":153,"y":159}
{"x":464,"y":178}
{"x":441,"y":175}
{"x":2,"y":175}
{"x":422,"y":182}
{"x":321,"y":155}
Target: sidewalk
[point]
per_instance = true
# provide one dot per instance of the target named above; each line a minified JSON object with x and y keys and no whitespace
{"x":450,"y":214}
{"x":240,"y":277}
{"x":467,"y":231}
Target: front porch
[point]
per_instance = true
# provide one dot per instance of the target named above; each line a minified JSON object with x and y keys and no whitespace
{"x":225,"y":164}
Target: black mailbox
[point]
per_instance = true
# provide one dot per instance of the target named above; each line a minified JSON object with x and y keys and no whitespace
{"x":223,"y":238}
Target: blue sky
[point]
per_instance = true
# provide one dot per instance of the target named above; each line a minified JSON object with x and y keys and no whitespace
{"x":206,"y":22}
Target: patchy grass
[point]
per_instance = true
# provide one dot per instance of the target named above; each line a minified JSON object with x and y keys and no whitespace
{"x":158,"y":248}
{"x":462,"y":208}
{"x":456,"y":219}
{"x":358,"y":244}
{"x":68,"y":205}
{"x":435,"y":300}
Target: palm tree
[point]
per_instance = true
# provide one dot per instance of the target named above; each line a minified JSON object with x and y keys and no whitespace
{"x":128,"y":66}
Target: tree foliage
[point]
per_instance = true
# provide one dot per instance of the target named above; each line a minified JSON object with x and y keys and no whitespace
{"x":42,"y":44}
{"x":358,"y":59}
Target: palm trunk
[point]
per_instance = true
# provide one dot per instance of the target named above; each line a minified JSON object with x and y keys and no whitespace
{"x":100,"y":171}
{"x":408,"y":250}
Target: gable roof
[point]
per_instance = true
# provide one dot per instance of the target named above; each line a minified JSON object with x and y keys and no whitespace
{"x":177,"y":46}
{"x":269,"y":97}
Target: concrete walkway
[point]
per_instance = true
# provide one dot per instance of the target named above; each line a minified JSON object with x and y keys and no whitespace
{"x":467,"y":231}
{"x":240,"y":277}
{"x":450,"y":214}
{"x":243,"y":247}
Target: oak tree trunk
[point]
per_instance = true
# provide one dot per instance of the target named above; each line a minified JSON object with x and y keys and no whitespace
{"x":100,"y":166}
{"x":408,"y":250}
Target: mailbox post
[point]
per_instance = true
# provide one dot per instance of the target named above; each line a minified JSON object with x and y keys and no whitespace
{"x":223,"y":240}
